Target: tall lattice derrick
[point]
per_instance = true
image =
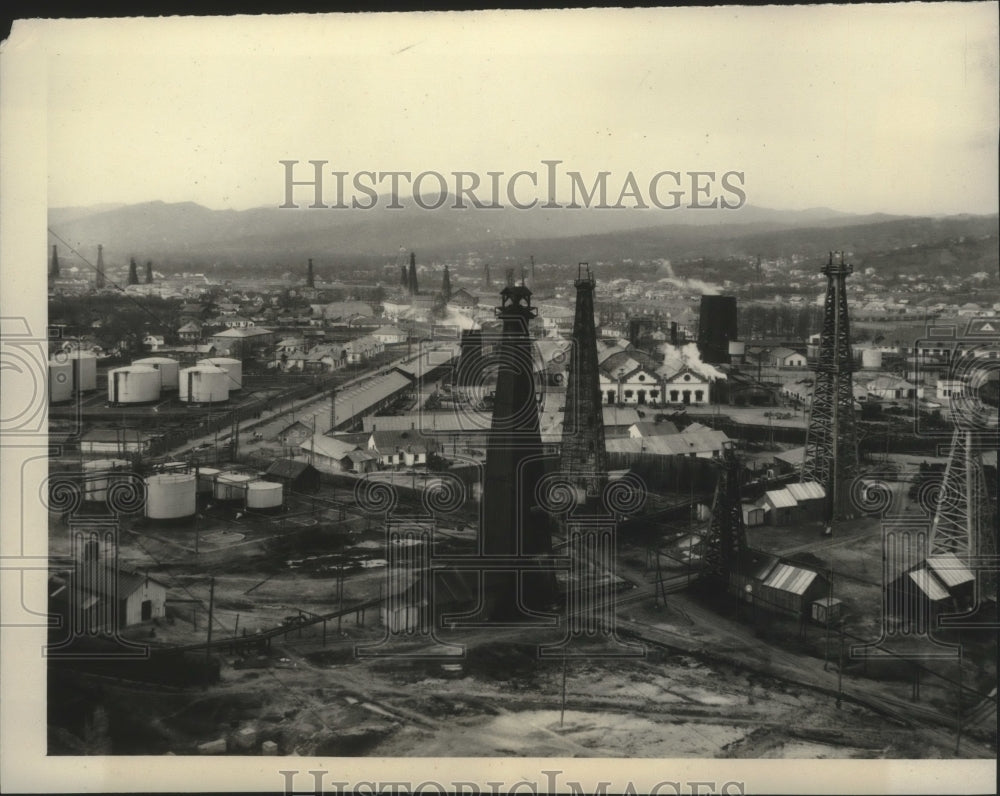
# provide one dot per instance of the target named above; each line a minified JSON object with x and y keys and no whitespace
{"x":726,"y":539}
{"x":831,"y":454}
{"x":583,"y":455}
{"x":511,"y":525}
{"x":99,"y":280}
{"x":962,"y":518}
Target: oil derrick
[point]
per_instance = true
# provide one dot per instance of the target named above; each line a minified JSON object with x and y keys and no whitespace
{"x":133,"y":276}
{"x":149,"y":272}
{"x":412,"y":276}
{"x":99,"y":279}
{"x":831,"y":454}
{"x":962,"y":520}
{"x":489,"y":282}
{"x":54,"y":267}
{"x":446,"y":285}
{"x":584,"y":458}
{"x":404,"y":281}
{"x":512,"y":526}
{"x":310,"y":275}
{"x":726,"y":540}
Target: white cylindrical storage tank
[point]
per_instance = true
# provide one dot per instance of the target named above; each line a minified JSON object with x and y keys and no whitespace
{"x":169,"y":370}
{"x":84,"y":370}
{"x":99,"y":474}
{"x":231,"y":486}
{"x":135,"y":384}
{"x":233,"y":367}
{"x":206,"y":479}
{"x":737,"y":348}
{"x":60,"y":381}
{"x":871,"y":358}
{"x":264,"y":495}
{"x":170,"y":496}
{"x":204,"y":384}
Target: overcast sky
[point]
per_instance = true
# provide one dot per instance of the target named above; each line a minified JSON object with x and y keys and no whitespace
{"x":862,"y":109}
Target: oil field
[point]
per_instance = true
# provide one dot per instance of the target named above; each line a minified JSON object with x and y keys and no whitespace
{"x":429,"y":543}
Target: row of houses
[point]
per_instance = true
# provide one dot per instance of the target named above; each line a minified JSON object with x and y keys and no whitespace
{"x":802,"y":502}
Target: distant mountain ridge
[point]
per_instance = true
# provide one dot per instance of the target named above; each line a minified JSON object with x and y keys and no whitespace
{"x":186,"y":232}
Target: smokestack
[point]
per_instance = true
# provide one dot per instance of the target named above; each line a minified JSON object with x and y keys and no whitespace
{"x":310,"y":277}
{"x":149,"y":272}
{"x":54,"y":268}
{"x":99,"y":282}
{"x":532,"y":269}
{"x":413,"y":274}
{"x":673,"y":333}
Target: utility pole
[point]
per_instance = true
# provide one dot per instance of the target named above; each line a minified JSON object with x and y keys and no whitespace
{"x":840,"y":666}
{"x":211,"y":609}
{"x":958,"y":703}
{"x":562,"y":711}
{"x":826,"y":654}
{"x":340,"y":597}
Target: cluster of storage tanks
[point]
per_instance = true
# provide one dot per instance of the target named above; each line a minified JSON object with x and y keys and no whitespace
{"x":172,"y":495}
{"x":146,"y":380}
{"x":71,"y":373}
{"x":211,"y":380}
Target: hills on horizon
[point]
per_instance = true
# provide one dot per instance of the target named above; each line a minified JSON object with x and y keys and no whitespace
{"x":185,"y":233}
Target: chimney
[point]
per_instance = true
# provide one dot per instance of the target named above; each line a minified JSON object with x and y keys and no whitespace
{"x":673,"y":333}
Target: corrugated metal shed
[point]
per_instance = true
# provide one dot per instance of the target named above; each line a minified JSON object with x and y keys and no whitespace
{"x":785,"y":577}
{"x":928,"y":584}
{"x":950,"y":570}
{"x":809,"y":490}
{"x":780,"y":499}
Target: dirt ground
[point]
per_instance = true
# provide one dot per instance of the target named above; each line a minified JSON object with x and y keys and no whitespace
{"x":709,"y":684}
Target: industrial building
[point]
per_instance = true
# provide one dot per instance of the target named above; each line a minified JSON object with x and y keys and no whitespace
{"x":295,"y":475}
